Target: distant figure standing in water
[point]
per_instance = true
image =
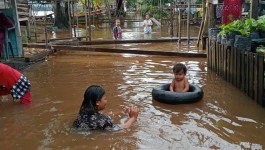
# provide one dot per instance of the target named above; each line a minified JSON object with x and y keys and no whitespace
{"x":15,"y":83}
{"x":147,"y":24}
{"x":180,"y":83}
{"x":95,"y":101}
{"x":117,"y":35}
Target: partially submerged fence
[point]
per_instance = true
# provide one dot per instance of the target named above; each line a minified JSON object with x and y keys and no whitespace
{"x":243,"y":69}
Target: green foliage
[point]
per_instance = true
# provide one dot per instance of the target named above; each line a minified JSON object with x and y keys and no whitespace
{"x":260,"y":49}
{"x":198,"y":2}
{"x":261,"y":23}
{"x":156,"y":13}
{"x":236,"y":26}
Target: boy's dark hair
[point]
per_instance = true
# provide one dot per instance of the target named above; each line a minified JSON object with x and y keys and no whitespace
{"x":178,"y":67}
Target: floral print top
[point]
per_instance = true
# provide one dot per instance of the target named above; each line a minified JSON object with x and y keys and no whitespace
{"x":92,"y":120}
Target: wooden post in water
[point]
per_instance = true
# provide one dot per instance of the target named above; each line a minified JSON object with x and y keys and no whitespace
{"x":238,"y":67}
{"x":171,"y":20}
{"x":251,"y":71}
{"x":89,"y":19}
{"x":256,"y":77}
{"x":70,"y":21}
{"x":247,"y":73}
{"x":179,"y":26}
{"x":254,"y":9}
{"x":161,"y":12}
{"x":243,"y":72}
{"x":188,"y":23}
{"x":225,"y":61}
{"x":86,"y":19}
{"x":45,"y":28}
{"x":208,"y":53}
{"x":261,"y":80}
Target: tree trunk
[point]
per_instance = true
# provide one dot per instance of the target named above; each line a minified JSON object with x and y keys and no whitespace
{"x":60,"y":16}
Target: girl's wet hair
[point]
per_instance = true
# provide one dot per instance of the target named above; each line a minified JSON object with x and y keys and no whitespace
{"x":178,"y":67}
{"x":92,"y":94}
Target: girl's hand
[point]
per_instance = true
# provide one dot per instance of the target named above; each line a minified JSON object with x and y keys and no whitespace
{"x":133,"y":112}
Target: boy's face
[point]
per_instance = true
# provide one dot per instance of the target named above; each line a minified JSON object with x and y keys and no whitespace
{"x":147,"y":17}
{"x":118,"y":22}
{"x":180,"y":75}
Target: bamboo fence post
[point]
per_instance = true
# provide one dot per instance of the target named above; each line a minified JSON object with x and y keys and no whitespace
{"x":247,"y":73}
{"x":225,"y":61}
{"x":256,"y":77}
{"x":243,"y":72}
{"x":238,"y":67}
{"x":261,"y":80}
{"x":251,"y":71}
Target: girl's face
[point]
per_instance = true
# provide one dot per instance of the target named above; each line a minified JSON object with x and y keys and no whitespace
{"x":101,"y":103}
{"x":147,"y":17}
{"x":180,"y":75}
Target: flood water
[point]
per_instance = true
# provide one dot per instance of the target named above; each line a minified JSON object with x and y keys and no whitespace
{"x":224,"y":119}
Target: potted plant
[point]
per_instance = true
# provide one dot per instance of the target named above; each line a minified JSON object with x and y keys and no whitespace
{"x":252,"y":26}
{"x":243,"y":41}
{"x":260,"y":49}
{"x":213,"y":32}
{"x":261,"y":26}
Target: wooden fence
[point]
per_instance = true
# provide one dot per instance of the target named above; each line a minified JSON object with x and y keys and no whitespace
{"x":243,"y":69}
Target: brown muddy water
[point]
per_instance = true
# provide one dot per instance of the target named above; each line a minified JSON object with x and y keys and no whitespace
{"x":224,"y":119}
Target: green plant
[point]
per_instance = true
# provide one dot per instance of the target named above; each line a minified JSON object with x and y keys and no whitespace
{"x":260,"y":49}
{"x":235,"y":26}
{"x":261,"y":23}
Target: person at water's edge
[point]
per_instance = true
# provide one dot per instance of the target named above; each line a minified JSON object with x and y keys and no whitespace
{"x":117,"y":30}
{"x":15,"y":83}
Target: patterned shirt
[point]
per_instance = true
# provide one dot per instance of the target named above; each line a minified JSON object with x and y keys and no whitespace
{"x":147,"y":29}
{"x":94,"y":120}
{"x":20,"y":88}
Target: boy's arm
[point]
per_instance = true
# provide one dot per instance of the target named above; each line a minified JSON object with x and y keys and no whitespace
{"x":113,"y":33}
{"x":171,"y":87}
{"x":187,"y":87}
{"x":151,"y":23}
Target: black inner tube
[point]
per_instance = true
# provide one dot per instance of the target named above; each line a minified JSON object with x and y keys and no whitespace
{"x":162,"y":94}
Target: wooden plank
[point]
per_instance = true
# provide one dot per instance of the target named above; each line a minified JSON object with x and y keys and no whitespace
{"x":251,"y":75}
{"x":238,"y":67}
{"x":261,"y":80}
{"x":256,"y":77}
{"x":243,"y":71}
{"x":247,"y":73}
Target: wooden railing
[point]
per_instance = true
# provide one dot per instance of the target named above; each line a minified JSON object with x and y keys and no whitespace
{"x":243,"y":69}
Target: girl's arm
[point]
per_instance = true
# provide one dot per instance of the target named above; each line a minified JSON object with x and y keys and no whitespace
{"x":187,"y":87}
{"x":133,"y":114}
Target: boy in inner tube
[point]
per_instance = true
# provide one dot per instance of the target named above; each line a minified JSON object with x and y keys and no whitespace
{"x":180,"y":83}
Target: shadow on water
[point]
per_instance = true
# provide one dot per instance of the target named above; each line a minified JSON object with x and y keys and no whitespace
{"x":224,"y":119}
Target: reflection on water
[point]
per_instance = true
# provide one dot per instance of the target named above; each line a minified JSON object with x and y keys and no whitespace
{"x":224,"y":119}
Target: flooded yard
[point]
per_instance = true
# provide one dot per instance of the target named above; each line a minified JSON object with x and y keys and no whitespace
{"x":224,"y":119}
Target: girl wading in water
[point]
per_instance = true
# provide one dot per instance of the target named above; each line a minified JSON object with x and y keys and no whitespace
{"x":95,"y":101}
